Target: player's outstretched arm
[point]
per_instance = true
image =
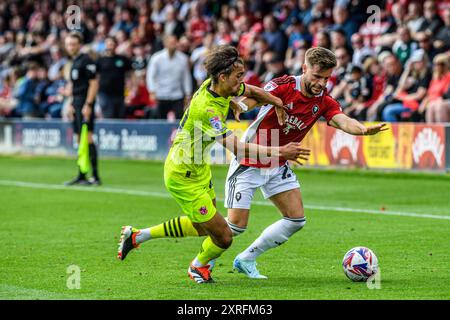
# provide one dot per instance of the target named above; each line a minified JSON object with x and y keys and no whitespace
{"x":262,"y":97}
{"x":246,"y":104}
{"x":243,"y":104}
{"x":291,"y":151}
{"x":352,"y":126}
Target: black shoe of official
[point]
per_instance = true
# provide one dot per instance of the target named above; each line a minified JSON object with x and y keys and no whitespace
{"x":79,"y":180}
{"x":95,"y":181}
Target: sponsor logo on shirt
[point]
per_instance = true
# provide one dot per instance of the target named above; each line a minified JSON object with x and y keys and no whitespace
{"x":216,"y":123}
{"x":270,"y":86}
{"x":293,"y":122}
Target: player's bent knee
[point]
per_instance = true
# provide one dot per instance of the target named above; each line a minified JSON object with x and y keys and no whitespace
{"x":226,"y":240}
{"x":295,"y":224}
{"x":235,"y":229}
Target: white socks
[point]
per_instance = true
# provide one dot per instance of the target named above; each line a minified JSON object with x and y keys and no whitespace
{"x":235,"y":230}
{"x":273,"y":236}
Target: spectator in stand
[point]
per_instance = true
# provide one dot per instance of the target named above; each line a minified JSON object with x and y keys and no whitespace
{"x":25,"y":94}
{"x":246,"y":36}
{"x":169,"y":80}
{"x":54,"y":94}
{"x":138,"y":102}
{"x":297,"y":34}
{"x":98,"y":44}
{"x":360,"y":51}
{"x":139,"y":61}
{"x":295,"y":67}
{"x":223,"y":34}
{"x":356,"y":93}
{"x":442,"y":38}
{"x":426,"y":43}
{"x":197,"y":25}
{"x":411,"y":89}
{"x":198,"y":58}
{"x":433,"y":21}
{"x":338,"y":77}
{"x":57,"y":61}
{"x":305,"y":14}
{"x":342,"y":20}
{"x":7,"y":100}
{"x":158,"y":12}
{"x":414,"y":18}
{"x":275,"y":38}
{"x":40,"y":96}
{"x":123,"y":43}
{"x":375,"y":85}
{"x":172,"y":26}
{"x":323,"y":40}
{"x":393,"y":70}
{"x":396,"y":19}
{"x":274,"y":66}
{"x":112,"y":69}
{"x":260,"y":48}
{"x":124,"y":22}
{"x":404,"y":46}
{"x":338,"y":39}
{"x":433,"y":105}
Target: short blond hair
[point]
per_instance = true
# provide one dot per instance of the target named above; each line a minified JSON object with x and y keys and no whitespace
{"x":441,"y":58}
{"x":321,"y":57}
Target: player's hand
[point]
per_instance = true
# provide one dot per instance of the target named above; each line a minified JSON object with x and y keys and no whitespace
{"x":86,"y":112}
{"x":236,"y":110}
{"x":375,"y":129}
{"x":280,"y":110}
{"x":293,"y":151}
{"x":70,"y":112}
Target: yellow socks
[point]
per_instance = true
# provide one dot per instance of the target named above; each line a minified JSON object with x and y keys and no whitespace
{"x":173,"y":228}
{"x":208,"y":251}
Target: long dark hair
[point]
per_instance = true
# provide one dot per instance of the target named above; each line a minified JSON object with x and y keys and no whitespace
{"x":221,"y":60}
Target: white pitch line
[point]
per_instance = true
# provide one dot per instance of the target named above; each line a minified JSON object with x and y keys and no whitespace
{"x":166,"y":195}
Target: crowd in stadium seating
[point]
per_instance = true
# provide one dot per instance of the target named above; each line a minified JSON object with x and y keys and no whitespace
{"x":392,"y":69}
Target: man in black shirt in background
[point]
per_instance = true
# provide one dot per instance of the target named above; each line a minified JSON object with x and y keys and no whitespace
{"x":84,"y":85}
{"x":112,"y":69}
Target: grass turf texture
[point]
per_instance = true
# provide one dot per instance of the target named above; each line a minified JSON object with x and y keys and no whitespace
{"x":43,"y":231}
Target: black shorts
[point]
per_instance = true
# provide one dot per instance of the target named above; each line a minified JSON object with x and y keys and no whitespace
{"x":78,"y":103}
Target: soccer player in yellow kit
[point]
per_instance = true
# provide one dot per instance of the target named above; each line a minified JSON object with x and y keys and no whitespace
{"x":187,"y":173}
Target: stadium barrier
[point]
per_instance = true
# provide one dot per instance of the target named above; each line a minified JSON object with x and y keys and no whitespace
{"x":405,"y":146}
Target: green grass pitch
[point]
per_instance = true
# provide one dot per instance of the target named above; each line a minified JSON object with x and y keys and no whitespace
{"x":46,"y":227}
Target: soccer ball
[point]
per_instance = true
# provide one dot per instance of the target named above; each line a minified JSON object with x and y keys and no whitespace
{"x":360,"y":263}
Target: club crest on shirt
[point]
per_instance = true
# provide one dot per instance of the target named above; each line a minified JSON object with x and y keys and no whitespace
{"x":91,"y":67}
{"x":119,"y":63}
{"x":315,"y":109}
{"x":216,"y":123}
{"x":270,"y":86}
{"x":203,"y":210}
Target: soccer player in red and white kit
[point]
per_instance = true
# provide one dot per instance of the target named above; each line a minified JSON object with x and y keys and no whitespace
{"x":307,"y":100}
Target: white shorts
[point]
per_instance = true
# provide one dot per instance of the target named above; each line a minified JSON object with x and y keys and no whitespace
{"x":242,"y":182}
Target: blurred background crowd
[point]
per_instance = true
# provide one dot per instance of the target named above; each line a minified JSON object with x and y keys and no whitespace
{"x":395,"y":68}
